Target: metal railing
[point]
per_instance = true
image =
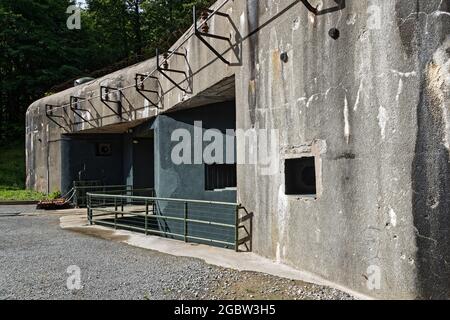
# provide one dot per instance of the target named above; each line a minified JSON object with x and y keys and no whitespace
{"x":81,"y":191}
{"x":206,"y":222}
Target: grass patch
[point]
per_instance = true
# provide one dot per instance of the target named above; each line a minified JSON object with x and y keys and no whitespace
{"x":8,"y":194}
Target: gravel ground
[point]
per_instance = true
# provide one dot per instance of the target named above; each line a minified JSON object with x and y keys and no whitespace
{"x":35,"y":254}
{"x":15,"y":210}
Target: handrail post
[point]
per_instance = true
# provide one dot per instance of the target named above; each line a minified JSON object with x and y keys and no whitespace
{"x":146,"y":217}
{"x":185,"y":222}
{"x":236,"y":231}
{"x":89,"y":210}
{"x":121,"y":206}
{"x":115,"y":213}
{"x":154,"y":207}
{"x":75,"y":196}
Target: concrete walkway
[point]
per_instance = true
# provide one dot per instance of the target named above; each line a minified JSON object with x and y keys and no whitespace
{"x":76,"y":220}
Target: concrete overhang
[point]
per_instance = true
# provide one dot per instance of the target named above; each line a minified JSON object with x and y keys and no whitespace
{"x":204,"y":79}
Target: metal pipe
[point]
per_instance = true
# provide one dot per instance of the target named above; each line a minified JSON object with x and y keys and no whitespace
{"x":217,"y":224}
{"x":185,"y":221}
{"x":163,"y":199}
{"x":236,"y":231}
{"x":166,"y":233}
{"x":89,"y":209}
{"x":146,"y":218}
{"x":47,"y":147}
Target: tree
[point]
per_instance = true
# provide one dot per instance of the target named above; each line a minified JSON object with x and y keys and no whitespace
{"x":38,"y":51}
{"x":135,"y":7}
{"x":166,"y":20}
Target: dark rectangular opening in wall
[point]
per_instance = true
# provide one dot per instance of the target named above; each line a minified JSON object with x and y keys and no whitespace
{"x":300,"y":176}
{"x":220,"y":176}
{"x":143,"y":163}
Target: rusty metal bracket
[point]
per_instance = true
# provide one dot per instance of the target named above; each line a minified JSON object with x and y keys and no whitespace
{"x":163,"y":68}
{"x":139,"y":81}
{"x":131,"y":107}
{"x":202,"y":34}
{"x":74,"y":101}
{"x":104,"y":98}
{"x":49,"y":112}
{"x":340,"y":5}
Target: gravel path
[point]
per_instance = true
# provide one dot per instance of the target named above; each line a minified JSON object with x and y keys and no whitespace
{"x":6,"y":210}
{"x":35,"y":254}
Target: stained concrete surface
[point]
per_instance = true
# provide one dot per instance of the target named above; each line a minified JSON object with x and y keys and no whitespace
{"x":378,"y":98}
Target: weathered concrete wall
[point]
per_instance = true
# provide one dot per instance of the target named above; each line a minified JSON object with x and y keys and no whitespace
{"x":43,"y":156}
{"x":376,"y":101}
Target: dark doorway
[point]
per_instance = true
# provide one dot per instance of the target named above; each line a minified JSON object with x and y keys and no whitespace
{"x":143,"y":163}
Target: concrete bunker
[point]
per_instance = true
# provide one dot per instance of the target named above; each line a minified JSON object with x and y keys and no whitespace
{"x":347,"y":101}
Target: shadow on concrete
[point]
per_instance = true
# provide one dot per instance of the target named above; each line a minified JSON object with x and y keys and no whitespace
{"x":340,"y":5}
{"x":246,"y":227}
{"x":431,"y":201}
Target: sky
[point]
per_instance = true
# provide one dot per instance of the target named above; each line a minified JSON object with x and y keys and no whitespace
{"x":82,"y":3}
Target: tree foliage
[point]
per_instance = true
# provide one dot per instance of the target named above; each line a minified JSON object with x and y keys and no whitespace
{"x":38,"y":51}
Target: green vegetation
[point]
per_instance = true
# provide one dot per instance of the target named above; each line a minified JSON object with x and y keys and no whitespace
{"x":39,"y":55}
{"x":12,"y":167}
{"x":12,"y":175}
{"x":20,"y":195}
